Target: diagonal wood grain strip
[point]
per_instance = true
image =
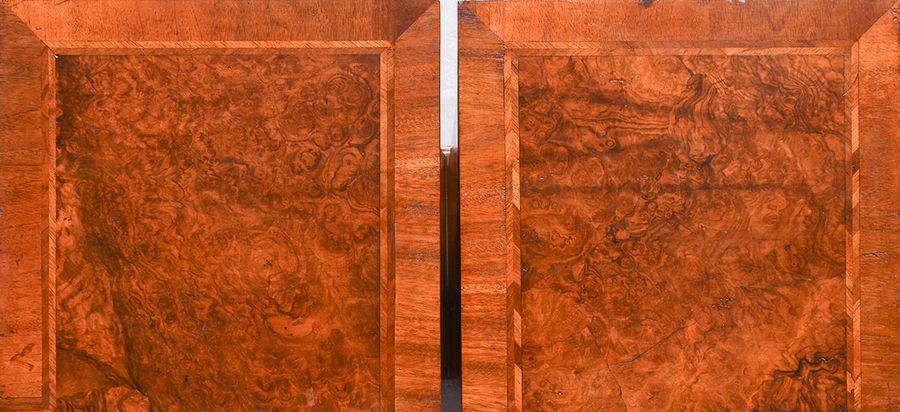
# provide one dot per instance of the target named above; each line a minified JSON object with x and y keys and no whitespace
{"x":512,"y":207}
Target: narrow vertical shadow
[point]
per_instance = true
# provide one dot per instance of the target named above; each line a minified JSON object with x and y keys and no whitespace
{"x":451,"y":322}
{"x":451,"y":314}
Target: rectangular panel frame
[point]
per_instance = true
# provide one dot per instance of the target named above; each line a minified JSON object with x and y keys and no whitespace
{"x":515,"y":300}
{"x":404,"y":35}
{"x":492,"y":37}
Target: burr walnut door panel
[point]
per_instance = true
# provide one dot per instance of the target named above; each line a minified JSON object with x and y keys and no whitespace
{"x":218,"y":223}
{"x":220,"y":216}
{"x":661,"y":224}
{"x":682,"y":218}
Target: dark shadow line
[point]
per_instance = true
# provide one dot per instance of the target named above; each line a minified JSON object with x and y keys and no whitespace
{"x":451,"y":321}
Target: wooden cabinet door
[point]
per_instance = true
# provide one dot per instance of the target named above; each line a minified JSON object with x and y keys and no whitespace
{"x":219,"y":205}
{"x":675,"y":205}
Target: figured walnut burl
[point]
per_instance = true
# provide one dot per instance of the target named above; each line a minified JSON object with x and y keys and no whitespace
{"x":682,"y":233}
{"x":218,"y":232}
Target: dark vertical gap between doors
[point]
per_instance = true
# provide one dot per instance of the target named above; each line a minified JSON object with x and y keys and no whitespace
{"x":451,"y":313}
{"x":451,"y":321}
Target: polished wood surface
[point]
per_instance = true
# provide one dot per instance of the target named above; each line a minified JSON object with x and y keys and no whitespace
{"x":664,"y":205}
{"x":221,"y":20}
{"x":249,"y":209}
{"x":678,"y":212}
{"x":417,"y":204}
{"x":675,"y":20}
{"x":27,"y":274}
{"x":210,"y":203}
{"x":877,"y":198}
{"x":483,"y":233}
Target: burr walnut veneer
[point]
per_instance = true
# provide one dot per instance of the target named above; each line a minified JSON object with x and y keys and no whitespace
{"x":234,"y":205}
{"x":219,"y":205}
{"x":675,"y":205}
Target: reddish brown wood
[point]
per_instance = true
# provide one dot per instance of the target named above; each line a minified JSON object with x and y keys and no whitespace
{"x":222,"y":20}
{"x":222,"y":222}
{"x":387,"y":219}
{"x":620,"y":307}
{"x":851,"y":237}
{"x":513,"y":208}
{"x":484,"y":245}
{"x":27,"y":275}
{"x":405,"y":12}
{"x":363,"y":344}
{"x":678,"y":214}
{"x":864,"y":13}
{"x":417,"y":200}
{"x":879,"y":197}
{"x":674,"y":20}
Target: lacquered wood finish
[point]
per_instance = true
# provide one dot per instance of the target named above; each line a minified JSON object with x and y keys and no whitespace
{"x":186,"y":286}
{"x":417,"y":205}
{"x":227,"y":202}
{"x":877,"y":199}
{"x":675,"y":20}
{"x":680,"y":214}
{"x":210,"y":20}
{"x":663,"y":207}
{"x":483,"y":234}
{"x":27,"y":274}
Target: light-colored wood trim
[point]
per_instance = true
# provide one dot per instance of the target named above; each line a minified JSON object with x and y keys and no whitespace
{"x":594,"y":50}
{"x":512,"y":208}
{"x":851,"y":102}
{"x":48,"y":237}
{"x":550,"y":48}
{"x":215,"y":47}
{"x":386,"y":230}
{"x":698,"y":44}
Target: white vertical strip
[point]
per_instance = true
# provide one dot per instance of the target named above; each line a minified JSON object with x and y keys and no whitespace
{"x":449,"y":84}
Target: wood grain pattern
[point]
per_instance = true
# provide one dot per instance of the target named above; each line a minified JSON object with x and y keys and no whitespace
{"x":400,"y":28}
{"x":864,"y":13}
{"x":674,"y":20}
{"x":387,"y":216}
{"x":670,"y":48}
{"x":27,"y":276}
{"x":680,"y":214}
{"x":219,"y":231}
{"x":514,"y":378}
{"x":879,"y":198}
{"x":223,"y":20}
{"x":851,"y":239}
{"x":125,"y":47}
{"x":775,"y":65}
{"x":417,"y":197}
{"x":483,"y":199}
